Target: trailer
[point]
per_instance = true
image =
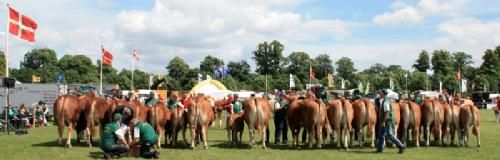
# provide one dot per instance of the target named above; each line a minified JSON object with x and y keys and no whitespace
{"x":31,"y":94}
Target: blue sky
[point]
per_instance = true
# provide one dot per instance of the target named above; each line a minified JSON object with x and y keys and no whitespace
{"x":368,"y":32}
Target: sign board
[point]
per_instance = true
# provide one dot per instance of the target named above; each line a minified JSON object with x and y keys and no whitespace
{"x":31,"y":94}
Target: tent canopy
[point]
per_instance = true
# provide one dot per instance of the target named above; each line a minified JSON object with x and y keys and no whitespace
{"x":211,"y":88}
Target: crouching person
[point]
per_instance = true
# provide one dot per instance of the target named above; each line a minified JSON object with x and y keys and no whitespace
{"x":145,"y":136}
{"x":113,"y":142}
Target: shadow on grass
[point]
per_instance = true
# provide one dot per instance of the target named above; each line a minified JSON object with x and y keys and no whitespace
{"x":96,"y":155}
{"x":56,"y":144}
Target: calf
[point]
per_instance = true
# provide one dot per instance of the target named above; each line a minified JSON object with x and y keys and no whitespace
{"x":257,"y":113}
{"x":178,"y":122}
{"x":235,"y":127}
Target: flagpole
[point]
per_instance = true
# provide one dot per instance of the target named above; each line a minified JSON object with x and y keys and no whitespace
{"x":133,"y":70}
{"x":6,"y":54}
{"x":100,"y":77}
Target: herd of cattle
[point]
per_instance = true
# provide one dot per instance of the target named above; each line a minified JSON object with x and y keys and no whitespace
{"x":345,"y":117}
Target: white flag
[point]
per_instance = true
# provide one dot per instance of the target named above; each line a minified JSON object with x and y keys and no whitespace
{"x":292,"y":81}
{"x":343,"y":84}
{"x":391,"y":84}
{"x":200,"y":77}
{"x":151,"y":80}
{"x":367,"y":88}
{"x":464,"y":85}
{"x":430,"y":72}
{"x":208,"y":77}
{"x":440,"y":87}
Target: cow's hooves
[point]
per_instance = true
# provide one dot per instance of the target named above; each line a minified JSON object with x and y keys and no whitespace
{"x":263,"y":147}
{"x":206,"y":147}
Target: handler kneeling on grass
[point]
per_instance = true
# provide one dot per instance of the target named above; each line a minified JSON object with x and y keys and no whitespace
{"x":145,"y":135}
{"x":109,"y":139}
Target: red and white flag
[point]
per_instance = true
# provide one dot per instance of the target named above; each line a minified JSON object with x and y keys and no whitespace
{"x":22,"y":26}
{"x":135,"y":56}
{"x":311,"y":73}
{"x":107,"y":57}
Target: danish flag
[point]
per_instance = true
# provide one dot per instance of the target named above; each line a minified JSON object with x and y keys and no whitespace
{"x":135,"y":56}
{"x":22,"y":26}
{"x":107,"y":57}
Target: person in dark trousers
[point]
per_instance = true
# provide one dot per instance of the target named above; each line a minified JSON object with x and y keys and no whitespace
{"x":280,"y":122}
{"x":145,"y":135}
{"x":111,"y":137}
{"x":386,"y":115}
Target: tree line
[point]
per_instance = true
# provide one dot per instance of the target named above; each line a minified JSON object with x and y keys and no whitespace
{"x":269,"y":60}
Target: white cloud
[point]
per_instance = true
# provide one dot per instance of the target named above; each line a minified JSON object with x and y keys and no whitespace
{"x":406,"y":14}
{"x":226,"y":30}
{"x":470,"y":30}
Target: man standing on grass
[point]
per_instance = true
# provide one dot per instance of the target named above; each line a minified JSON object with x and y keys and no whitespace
{"x":386,"y":115}
{"x":110,"y":137}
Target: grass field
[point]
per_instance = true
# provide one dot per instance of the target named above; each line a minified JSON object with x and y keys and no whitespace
{"x":41,"y":144}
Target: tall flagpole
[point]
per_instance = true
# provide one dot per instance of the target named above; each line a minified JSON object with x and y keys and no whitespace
{"x":100,"y":73}
{"x":133,"y":70}
{"x":6,"y":54}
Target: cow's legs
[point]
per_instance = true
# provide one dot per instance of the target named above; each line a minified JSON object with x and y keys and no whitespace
{"x":250,"y":135}
{"x":427,"y":135}
{"x":174,"y":135}
{"x":193,"y":135}
{"x":70,"y":131}
{"x":371,"y":133}
{"x":319,"y":136}
{"x":346,"y":135}
{"x":360,"y":138}
{"x":160,"y":133}
{"x":416,"y":135}
{"x":478,"y":135}
{"x":204,"y":136}
{"x":339,"y":136}
{"x":60,"y":130}
{"x":262,"y":132}
{"x":89,"y":137}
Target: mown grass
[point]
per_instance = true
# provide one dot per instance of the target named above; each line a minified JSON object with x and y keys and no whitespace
{"x":41,"y":144}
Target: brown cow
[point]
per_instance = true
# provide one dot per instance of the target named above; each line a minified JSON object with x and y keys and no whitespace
{"x":99,"y":114}
{"x":235,"y":127}
{"x":257,"y":112}
{"x":70,"y":111}
{"x":219,"y":107}
{"x":178,"y":122}
{"x":469,"y":116}
{"x":200,"y":115}
{"x":364,"y":115}
{"x":310,"y":114}
{"x":158,"y":117}
{"x":455,"y":122}
{"x":140,"y":111}
{"x":340,"y":115}
{"x":397,"y":117}
{"x":447,"y":120}
{"x":410,"y":120}
{"x":432,"y":117}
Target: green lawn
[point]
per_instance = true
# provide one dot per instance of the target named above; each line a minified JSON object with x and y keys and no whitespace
{"x":41,"y":144}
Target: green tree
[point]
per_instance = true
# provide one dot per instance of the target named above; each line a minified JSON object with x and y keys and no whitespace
{"x":461,"y":61}
{"x":323,"y":66}
{"x":442,"y":63}
{"x":268,"y":57}
{"x":422,"y":63}
{"x":78,"y":69}
{"x":40,"y":62}
{"x":299,"y":65}
{"x":207,"y":65}
{"x":239,"y":70}
{"x":346,"y":70}
{"x":417,"y":81}
{"x":490,"y":68}
{"x":177,"y":68}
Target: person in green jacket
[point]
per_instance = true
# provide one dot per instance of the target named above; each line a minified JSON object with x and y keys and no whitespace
{"x":110,"y":137}
{"x":386,"y":123}
{"x":145,"y":135}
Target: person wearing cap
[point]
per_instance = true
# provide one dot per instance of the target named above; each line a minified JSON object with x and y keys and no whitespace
{"x":280,"y":123}
{"x":174,"y":103}
{"x":112,"y":141}
{"x":386,"y":117}
{"x":152,"y":99}
{"x":145,"y":136}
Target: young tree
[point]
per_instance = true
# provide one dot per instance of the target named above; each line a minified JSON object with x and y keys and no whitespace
{"x":207,"y":65}
{"x":422,"y":63}
{"x":346,"y":70}
{"x":268,"y":57}
{"x":323,"y":66}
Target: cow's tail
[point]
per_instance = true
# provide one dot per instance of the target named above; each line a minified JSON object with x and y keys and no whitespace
{"x":473,"y":113}
{"x":327,"y":121}
{"x":257,"y":120}
{"x":92,"y":118}
{"x":153,"y":117}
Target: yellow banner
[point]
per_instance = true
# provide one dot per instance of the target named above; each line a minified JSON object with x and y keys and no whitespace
{"x":330,"y":81}
{"x":35,"y":79}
